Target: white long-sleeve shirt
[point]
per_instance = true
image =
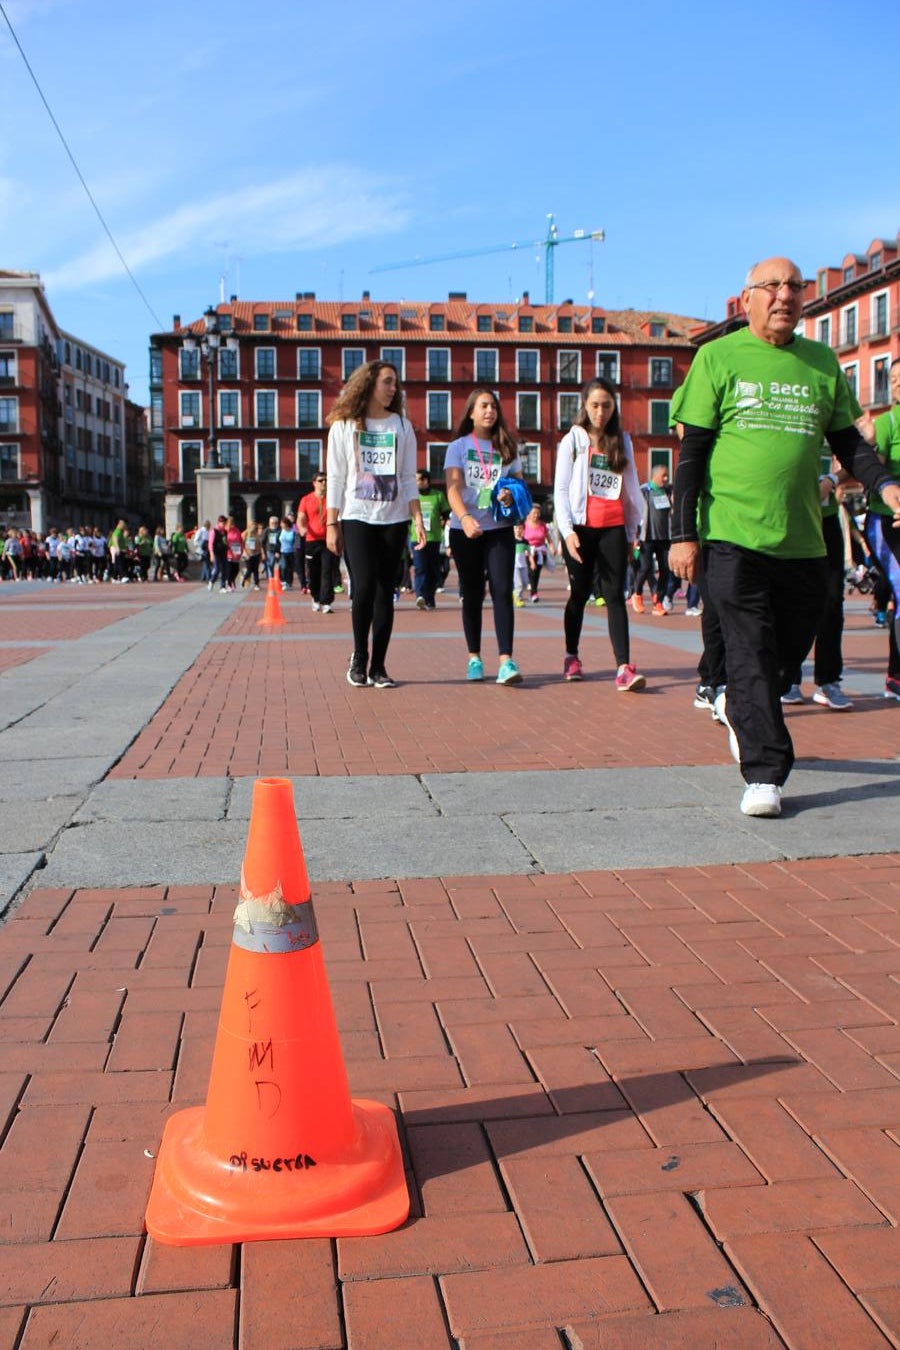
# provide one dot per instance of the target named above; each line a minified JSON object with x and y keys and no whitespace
{"x":571,"y":481}
{"x":344,"y":472}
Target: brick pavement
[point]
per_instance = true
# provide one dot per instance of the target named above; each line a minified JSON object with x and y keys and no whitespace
{"x":654,"y":1108}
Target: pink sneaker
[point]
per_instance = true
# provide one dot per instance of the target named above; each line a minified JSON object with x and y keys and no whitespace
{"x":572,"y":669}
{"x":628,"y":678}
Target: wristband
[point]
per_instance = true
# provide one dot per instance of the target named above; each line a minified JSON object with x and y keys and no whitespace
{"x":467,"y":516}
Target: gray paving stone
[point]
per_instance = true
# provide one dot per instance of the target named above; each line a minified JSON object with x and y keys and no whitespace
{"x":16,"y":870}
{"x":354,"y":798}
{"x":183,"y":799}
{"x":180,"y":853}
{"x":43,"y":779}
{"x":472,"y":794}
{"x":27,"y":826}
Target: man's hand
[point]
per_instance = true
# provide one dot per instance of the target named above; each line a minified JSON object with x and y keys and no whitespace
{"x":890,"y":495}
{"x":685,"y":561}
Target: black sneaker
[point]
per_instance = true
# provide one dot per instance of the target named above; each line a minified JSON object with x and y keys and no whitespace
{"x":356,"y":673}
{"x":705,"y":697}
{"x":381,"y":679}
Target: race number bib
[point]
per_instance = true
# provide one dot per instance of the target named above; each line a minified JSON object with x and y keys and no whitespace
{"x":378,"y":452}
{"x":482,"y":472}
{"x":426,"y":519}
{"x":602,"y":482}
{"x":659,"y":501}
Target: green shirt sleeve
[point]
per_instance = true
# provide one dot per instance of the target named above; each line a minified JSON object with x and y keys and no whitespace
{"x":699,"y":398}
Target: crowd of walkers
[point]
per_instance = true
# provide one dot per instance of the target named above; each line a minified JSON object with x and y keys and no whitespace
{"x":86,"y":555}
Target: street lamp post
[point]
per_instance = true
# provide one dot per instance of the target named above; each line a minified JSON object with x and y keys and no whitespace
{"x":212,"y":478}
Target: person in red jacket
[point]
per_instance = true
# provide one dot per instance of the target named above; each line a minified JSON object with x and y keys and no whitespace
{"x":320,"y":561}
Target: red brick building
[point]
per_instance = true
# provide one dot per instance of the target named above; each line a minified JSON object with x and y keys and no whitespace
{"x":278,"y":369}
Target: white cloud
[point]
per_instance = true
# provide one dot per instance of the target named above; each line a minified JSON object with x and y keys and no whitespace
{"x":311,"y":209}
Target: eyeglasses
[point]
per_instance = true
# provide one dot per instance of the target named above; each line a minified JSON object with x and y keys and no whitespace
{"x":773,"y":287}
{"x":320,"y":480}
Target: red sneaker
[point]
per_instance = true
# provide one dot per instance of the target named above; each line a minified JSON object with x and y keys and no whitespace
{"x":628,"y":679}
{"x":572,"y":669}
{"x":637,"y":603}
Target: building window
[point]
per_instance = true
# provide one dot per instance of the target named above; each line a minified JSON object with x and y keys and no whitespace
{"x":879,"y":314}
{"x":309,"y":458}
{"x":266,"y":461}
{"x":852,"y":373}
{"x":567,"y":406}
{"x":485,"y":365}
{"x":260,"y":323}
{"x":9,"y":464}
{"x":309,"y":363}
{"x":228,"y":363}
{"x":265,"y":363}
{"x":191,"y":452}
{"x":396,"y":356}
{"x":265,"y":408}
{"x":309,"y":408}
{"x":7,"y":327}
{"x":608,"y":366}
{"x":659,"y":417}
{"x":439,"y":411}
{"x":437,"y":322}
{"x":598,"y":323}
{"x":304,"y":323}
{"x":391,"y":323}
{"x":848,"y":326}
{"x":526,"y":323}
{"x":189,"y":363}
{"x":156,"y":410}
{"x":351,"y":359}
{"x":156,"y":366}
{"x":484,"y":323}
{"x":881,"y":388}
{"x":229,"y":408}
{"x":657,"y":329}
{"x":530,"y":459}
{"x":527,"y":367}
{"x":230,"y":456}
{"x":564,"y":323}
{"x":874,"y":262}
{"x":823,"y":331}
{"x":438,"y":364}
{"x":528,"y":412}
{"x":436,"y":453}
{"x":661,"y":372}
{"x":568,"y":366}
{"x":8,"y":368}
{"x":849,"y":274}
{"x":348,"y":323}
{"x":190,"y":409}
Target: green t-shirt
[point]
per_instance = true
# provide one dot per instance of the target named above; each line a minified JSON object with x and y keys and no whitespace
{"x":887,"y":438}
{"x":434,"y":506}
{"x":771,"y":407}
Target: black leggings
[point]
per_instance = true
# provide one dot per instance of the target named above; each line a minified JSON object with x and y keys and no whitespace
{"x":607,"y":550}
{"x":492,"y":555}
{"x":373,"y":555}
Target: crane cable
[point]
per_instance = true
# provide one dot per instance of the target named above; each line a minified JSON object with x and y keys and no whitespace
{"x":81,"y":178}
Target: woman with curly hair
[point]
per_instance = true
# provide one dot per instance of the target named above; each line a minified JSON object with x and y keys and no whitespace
{"x":482,"y":547}
{"x":599,"y":508}
{"x":370,"y":499}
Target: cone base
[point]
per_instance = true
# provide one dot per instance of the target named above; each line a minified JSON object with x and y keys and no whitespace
{"x":199,"y":1200}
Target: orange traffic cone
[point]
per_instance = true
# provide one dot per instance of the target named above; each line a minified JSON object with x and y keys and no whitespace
{"x":272,"y":615}
{"x":280,"y":1150}
{"x":276,"y":580}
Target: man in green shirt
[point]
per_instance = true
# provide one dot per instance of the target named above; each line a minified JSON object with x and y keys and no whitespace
{"x":427,"y":560}
{"x":881,"y":538}
{"x":755,"y":406}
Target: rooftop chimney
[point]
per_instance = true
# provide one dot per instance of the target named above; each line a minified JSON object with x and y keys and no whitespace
{"x":365,"y":295}
{"x":176,"y":322}
{"x":456,"y":295}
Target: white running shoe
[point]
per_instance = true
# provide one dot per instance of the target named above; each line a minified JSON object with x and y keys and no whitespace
{"x":761,"y":799}
{"x":832,"y":696}
{"x":721,"y":716}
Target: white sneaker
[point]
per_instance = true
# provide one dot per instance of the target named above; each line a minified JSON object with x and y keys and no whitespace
{"x":761,"y":799}
{"x":326,"y":609}
{"x":316,"y":607}
{"x":667,"y":604}
{"x":721,"y":716}
{"x":693,"y":612}
{"x":832,"y":696}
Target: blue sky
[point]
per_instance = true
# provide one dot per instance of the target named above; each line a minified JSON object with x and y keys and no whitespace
{"x":296,"y":146}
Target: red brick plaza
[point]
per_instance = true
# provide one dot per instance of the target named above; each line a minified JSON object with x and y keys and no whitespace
{"x":651,"y":1108}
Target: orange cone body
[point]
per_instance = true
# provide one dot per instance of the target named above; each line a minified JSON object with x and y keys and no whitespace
{"x":280,"y":1149}
{"x":276,"y":581}
{"x":272,"y":615}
